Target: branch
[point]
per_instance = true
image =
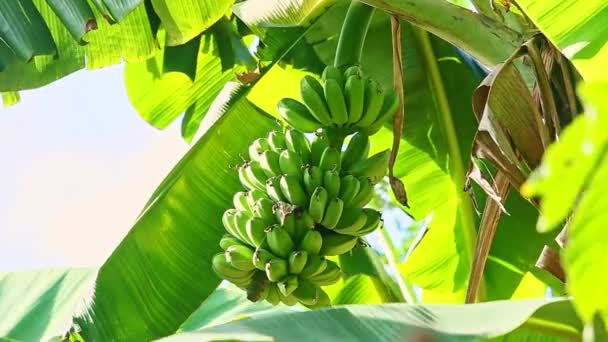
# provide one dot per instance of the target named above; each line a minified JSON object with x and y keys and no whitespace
{"x":485,"y":39}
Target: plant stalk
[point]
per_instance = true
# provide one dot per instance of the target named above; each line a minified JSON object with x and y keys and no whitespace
{"x":352,"y":36}
{"x":406,"y":289}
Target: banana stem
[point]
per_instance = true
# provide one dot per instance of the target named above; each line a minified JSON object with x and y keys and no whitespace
{"x":352,"y":36}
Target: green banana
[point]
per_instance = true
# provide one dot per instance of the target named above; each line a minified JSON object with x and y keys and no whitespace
{"x":289,"y":300}
{"x":262,"y":209}
{"x":240,"y":220}
{"x":288,"y":285}
{"x":273,"y":189}
{"x":373,"y":218}
{"x":311,"y":92}
{"x":301,"y":227}
{"x":389,"y":107}
{"x":223,"y":269}
{"x":315,"y":265}
{"x":254,"y":195}
{"x":351,"y":222}
{"x":336,"y":244}
{"x":297,"y":261}
{"x":335,"y":101}
{"x":357,"y":150}
{"x":256,"y":231}
{"x":276,"y":269}
{"x":239,"y":200}
{"x":276,"y":141}
{"x":318,"y":203}
{"x":307,"y":221}
{"x":273,"y":295}
{"x":349,"y":188}
{"x":322,"y":301}
{"x":261,"y":257}
{"x":297,"y":115}
{"x":240,"y":257}
{"x":374,"y":167}
{"x":330,"y":275}
{"x":244,"y":178}
{"x":366,"y":192}
{"x":311,"y":242}
{"x":374,"y":97}
{"x":290,"y":163}
{"x":354,"y":70}
{"x":331,"y":183}
{"x":259,"y":288}
{"x":279,"y":241}
{"x":331,"y":72}
{"x":256,"y":175}
{"x":332,"y":213}
{"x":258,"y":146}
{"x":330,"y":159}
{"x":318,"y":145}
{"x":228,"y":240}
{"x":289,"y":224}
{"x":296,"y":141}
{"x":354,"y":91}
{"x":293,"y":190}
{"x":313,"y":178}
{"x":228,"y":220}
{"x":307,"y":293}
{"x":269,"y":161}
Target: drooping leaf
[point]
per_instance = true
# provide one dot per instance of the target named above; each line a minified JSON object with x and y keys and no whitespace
{"x":402,"y":322}
{"x":37,"y":305}
{"x":164,"y":263}
{"x":76,"y":15}
{"x":280,"y":12}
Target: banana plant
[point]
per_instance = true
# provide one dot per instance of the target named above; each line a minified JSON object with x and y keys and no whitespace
{"x":470,"y":110}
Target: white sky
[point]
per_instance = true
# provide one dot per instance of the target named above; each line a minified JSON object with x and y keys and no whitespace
{"x":77,"y":164}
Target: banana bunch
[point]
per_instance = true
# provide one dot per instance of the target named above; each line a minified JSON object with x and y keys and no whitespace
{"x":304,"y":200}
{"x":346,"y":101}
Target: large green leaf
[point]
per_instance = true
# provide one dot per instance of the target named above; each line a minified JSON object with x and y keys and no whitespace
{"x":549,"y":320}
{"x":37,"y":305}
{"x":578,"y":29}
{"x":163,"y":265}
{"x":581,"y":158}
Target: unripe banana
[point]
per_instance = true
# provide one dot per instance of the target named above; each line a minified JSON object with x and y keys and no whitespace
{"x":307,"y":221}
{"x":330,"y":159}
{"x":256,"y":231}
{"x":354,"y":70}
{"x":336,"y":244}
{"x":331,"y":72}
{"x":255,"y":195}
{"x":262,"y":209}
{"x":279,"y":241}
{"x":357,"y":150}
{"x":332,"y":213}
{"x":261,"y":257}
{"x":311,"y":242}
{"x":373,"y":218}
{"x":331,"y":183}
{"x":389,"y":107}
{"x":318,"y":145}
{"x":239,"y":200}
{"x":354,"y":90}
{"x":335,"y":101}
{"x":290,"y":163}
{"x":374,"y":167}
{"x":293,"y":190}
{"x":289,"y":300}
{"x":296,"y":141}
{"x":273,"y":296}
{"x":315,"y":265}
{"x":228,"y":240}
{"x":223,"y":269}
{"x":288,"y":285}
{"x":273,"y":189}
{"x":302,"y":227}
{"x":228,"y":220}
{"x":269,"y":161}
{"x":244,"y":178}
{"x":256,"y":175}
{"x":318,"y":203}
{"x":276,"y":141}
{"x":240,"y":224}
{"x":240,"y":257}
{"x":289,"y":224}
{"x":349,"y":188}
{"x":374,"y":97}
{"x":322,"y":302}
{"x":313,"y":178}
{"x":276,"y":269}
{"x":330,"y":275}
{"x":351,"y":222}
{"x":366,"y":192}
{"x":297,"y":261}
{"x":297,"y":115}
{"x":259,"y":288}
{"x":307,"y":293}
{"x":258,"y":146}
{"x":312,"y":94}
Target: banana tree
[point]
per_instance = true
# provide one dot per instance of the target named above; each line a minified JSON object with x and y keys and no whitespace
{"x":472,"y":108}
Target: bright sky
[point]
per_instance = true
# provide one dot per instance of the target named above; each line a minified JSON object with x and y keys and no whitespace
{"x":77,"y":165}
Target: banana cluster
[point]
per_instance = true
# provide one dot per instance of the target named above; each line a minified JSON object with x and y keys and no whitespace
{"x":345,"y":101}
{"x":304,"y":201}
